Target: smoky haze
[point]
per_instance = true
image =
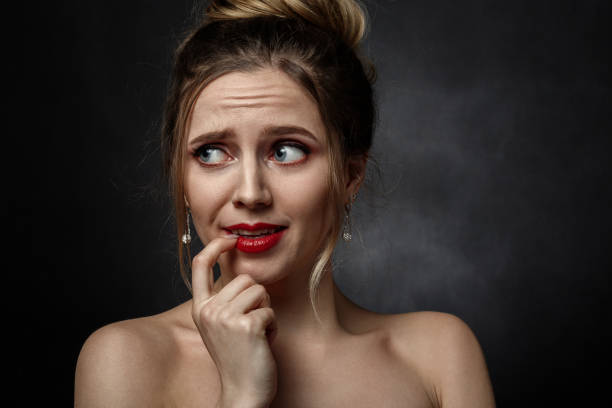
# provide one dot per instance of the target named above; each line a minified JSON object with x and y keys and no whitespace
{"x":492,"y":202}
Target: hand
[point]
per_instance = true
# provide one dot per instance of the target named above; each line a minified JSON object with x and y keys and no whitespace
{"x":233,"y":325}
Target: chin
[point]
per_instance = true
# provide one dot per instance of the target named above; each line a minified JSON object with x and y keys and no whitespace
{"x":263,"y":271}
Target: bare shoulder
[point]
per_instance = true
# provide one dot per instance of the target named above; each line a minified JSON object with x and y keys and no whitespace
{"x":122,"y":364}
{"x":445,"y":351}
{"x":432,"y":329}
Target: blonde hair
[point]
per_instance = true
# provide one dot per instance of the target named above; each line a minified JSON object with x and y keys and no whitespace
{"x":316,"y":43}
{"x":344,"y":17}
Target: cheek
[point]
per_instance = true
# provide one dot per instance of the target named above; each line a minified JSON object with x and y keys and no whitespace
{"x":305,"y":195}
{"x":206,"y":195}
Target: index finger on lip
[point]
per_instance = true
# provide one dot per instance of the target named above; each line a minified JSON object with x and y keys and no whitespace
{"x":201,"y":267}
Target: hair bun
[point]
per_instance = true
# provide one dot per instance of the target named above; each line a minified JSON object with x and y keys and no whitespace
{"x":346,"y":18}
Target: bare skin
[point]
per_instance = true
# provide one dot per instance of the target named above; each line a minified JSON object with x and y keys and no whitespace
{"x":405,"y":360}
{"x":251,"y":339}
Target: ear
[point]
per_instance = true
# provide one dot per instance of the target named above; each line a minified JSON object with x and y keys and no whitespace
{"x":354,"y":176}
{"x":186,"y":202}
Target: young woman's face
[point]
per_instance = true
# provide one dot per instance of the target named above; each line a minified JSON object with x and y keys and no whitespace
{"x":256,"y":154}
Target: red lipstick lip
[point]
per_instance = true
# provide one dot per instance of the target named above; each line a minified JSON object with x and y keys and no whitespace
{"x":261,"y":243}
{"x":254,"y":227}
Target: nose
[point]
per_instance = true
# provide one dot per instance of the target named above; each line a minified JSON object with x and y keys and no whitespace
{"x":252,"y":188}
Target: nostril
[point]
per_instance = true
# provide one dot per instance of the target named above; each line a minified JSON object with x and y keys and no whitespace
{"x":253,"y":198}
{"x":250,"y":204}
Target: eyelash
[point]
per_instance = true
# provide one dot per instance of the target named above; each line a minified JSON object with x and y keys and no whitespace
{"x":197,"y":152}
{"x":299,"y":146}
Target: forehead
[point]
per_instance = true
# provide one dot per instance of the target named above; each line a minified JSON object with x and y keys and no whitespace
{"x":262,"y":97}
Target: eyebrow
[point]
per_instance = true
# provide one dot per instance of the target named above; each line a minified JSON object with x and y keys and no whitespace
{"x":215,"y":135}
{"x":218,"y":135}
{"x":288,"y":130}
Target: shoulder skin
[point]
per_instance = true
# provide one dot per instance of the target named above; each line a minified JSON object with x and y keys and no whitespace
{"x":444,"y":349}
{"x":119,"y":366}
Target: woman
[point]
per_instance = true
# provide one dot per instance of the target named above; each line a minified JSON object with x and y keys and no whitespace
{"x":268,"y":126}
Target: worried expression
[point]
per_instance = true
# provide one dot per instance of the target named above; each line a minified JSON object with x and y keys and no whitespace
{"x":257,"y":166}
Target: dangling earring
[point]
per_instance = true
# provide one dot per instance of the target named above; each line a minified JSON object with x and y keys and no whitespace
{"x":187,"y":236}
{"x":347,"y":234}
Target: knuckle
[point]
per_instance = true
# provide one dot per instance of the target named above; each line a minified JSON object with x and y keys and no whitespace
{"x":245,"y":278}
{"x":247,"y":325}
{"x":268,"y":313}
{"x":224,"y":315}
{"x":200,"y":260}
{"x":259,"y":290}
{"x":208,"y":313}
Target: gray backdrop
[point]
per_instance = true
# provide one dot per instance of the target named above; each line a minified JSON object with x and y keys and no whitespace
{"x":492,"y":205}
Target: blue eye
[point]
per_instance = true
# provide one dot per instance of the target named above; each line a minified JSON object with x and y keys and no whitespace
{"x":289,"y":153}
{"x":210,"y":155}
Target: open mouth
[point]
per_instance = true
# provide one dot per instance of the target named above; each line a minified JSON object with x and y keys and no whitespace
{"x":256,"y":238}
{"x":255,"y":234}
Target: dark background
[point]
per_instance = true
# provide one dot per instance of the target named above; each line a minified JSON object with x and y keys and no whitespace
{"x":494,"y":205}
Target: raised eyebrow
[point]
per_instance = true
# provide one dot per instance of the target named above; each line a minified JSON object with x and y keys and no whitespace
{"x":288,"y":130}
{"x":219,"y":135}
{"x":214,"y":136}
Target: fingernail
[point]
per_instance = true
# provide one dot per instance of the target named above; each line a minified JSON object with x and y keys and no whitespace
{"x":230,"y":236}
